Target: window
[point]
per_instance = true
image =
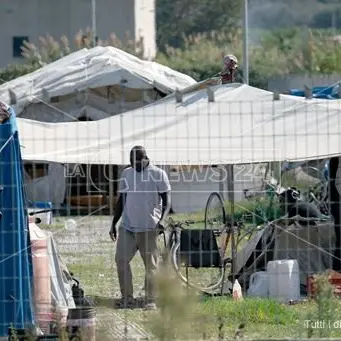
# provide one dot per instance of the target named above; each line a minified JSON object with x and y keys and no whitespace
{"x":18,"y":42}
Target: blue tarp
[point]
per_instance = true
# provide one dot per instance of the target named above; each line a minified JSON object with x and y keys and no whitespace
{"x":322,"y":92}
{"x":16,"y":280}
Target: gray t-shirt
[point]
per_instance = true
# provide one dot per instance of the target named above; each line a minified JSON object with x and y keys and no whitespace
{"x":143,"y":206}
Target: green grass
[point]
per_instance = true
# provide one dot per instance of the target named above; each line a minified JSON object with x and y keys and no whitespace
{"x":191,"y":317}
{"x":247,"y":206}
{"x":250,"y":311}
{"x":261,"y":317}
{"x":54,"y":226}
{"x":187,"y":317}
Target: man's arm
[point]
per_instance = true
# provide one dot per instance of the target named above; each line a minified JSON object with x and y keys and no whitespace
{"x":164,"y":190}
{"x":117,"y":215}
{"x":166,"y":205}
{"x":122,"y":190}
{"x":118,"y":208}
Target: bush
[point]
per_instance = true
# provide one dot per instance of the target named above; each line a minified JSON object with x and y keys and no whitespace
{"x":14,"y":71}
{"x":278,"y":53}
{"x":50,"y":50}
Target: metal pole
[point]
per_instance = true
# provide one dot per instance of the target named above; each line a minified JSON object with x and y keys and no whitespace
{"x":93,"y":22}
{"x":231,"y":198}
{"x":221,"y":183}
{"x":246,"y":43}
{"x":111,"y":189}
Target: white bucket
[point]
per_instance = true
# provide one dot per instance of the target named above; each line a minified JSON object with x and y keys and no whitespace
{"x":46,"y":217}
{"x":284,"y":280}
{"x":258,"y":284}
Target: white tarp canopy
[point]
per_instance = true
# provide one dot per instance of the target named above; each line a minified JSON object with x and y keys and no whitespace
{"x":48,"y":188}
{"x":243,"y":125}
{"x":95,"y":83}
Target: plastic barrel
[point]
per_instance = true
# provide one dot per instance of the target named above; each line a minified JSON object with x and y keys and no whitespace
{"x":82,"y":319}
{"x":42,"y":283}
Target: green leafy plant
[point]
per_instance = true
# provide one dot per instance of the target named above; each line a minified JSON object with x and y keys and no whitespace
{"x":326,"y":306}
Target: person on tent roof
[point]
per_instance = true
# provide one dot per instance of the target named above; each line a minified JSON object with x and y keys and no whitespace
{"x":229,"y":71}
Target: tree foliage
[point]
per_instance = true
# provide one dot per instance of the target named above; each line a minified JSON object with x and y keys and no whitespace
{"x":14,"y":71}
{"x":270,"y":14}
{"x":50,"y":49}
{"x":194,"y":34}
{"x":177,"y":19}
{"x":281,"y":52}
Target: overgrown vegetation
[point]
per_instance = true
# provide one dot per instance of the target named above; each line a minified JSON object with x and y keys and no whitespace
{"x":184,"y":17}
{"x":183,"y":314}
{"x":179,"y":19}
{"x":277,"y":53}
{"x":50,"y":49}
{"x":323,"y":317}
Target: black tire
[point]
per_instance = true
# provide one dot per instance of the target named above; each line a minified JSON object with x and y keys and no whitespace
{"x":215,"y":212}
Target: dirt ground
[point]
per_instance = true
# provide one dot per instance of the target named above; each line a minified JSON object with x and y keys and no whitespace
{"x":89,"y":253}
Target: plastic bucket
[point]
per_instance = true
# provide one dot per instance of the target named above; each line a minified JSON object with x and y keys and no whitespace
{"x":82,"y":320}
{"x":46,"y":217}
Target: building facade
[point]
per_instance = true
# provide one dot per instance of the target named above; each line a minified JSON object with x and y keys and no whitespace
{"x":28,"y":20}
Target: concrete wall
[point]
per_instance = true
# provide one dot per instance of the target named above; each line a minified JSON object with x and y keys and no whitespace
{"x":36,"y":18}
{"x":145,"y":26}
{"x":282,"y":84}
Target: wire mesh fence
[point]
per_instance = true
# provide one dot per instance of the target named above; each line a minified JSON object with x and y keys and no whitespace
{"x":252,"y":184}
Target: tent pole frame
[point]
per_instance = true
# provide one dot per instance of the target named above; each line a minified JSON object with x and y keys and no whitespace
{"x":231,"y":198}
{"x":111,"y":190}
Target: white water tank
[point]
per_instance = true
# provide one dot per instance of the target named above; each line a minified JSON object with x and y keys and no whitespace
{"x":258,"y":284}
{"x":284,"y":280}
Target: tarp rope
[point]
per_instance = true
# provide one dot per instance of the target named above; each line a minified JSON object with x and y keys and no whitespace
{"x":6,"y":143}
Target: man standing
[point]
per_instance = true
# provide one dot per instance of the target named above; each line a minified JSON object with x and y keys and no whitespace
{"x":143,"y":203}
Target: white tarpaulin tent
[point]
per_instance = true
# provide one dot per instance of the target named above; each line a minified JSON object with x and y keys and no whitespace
{"x":90,"y":85}
{"x":94,"y":83}
{"x":48,"y":188}
{"x":242,"y":125}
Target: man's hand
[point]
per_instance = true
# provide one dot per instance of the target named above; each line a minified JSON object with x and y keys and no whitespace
{"x":113,"y":233}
